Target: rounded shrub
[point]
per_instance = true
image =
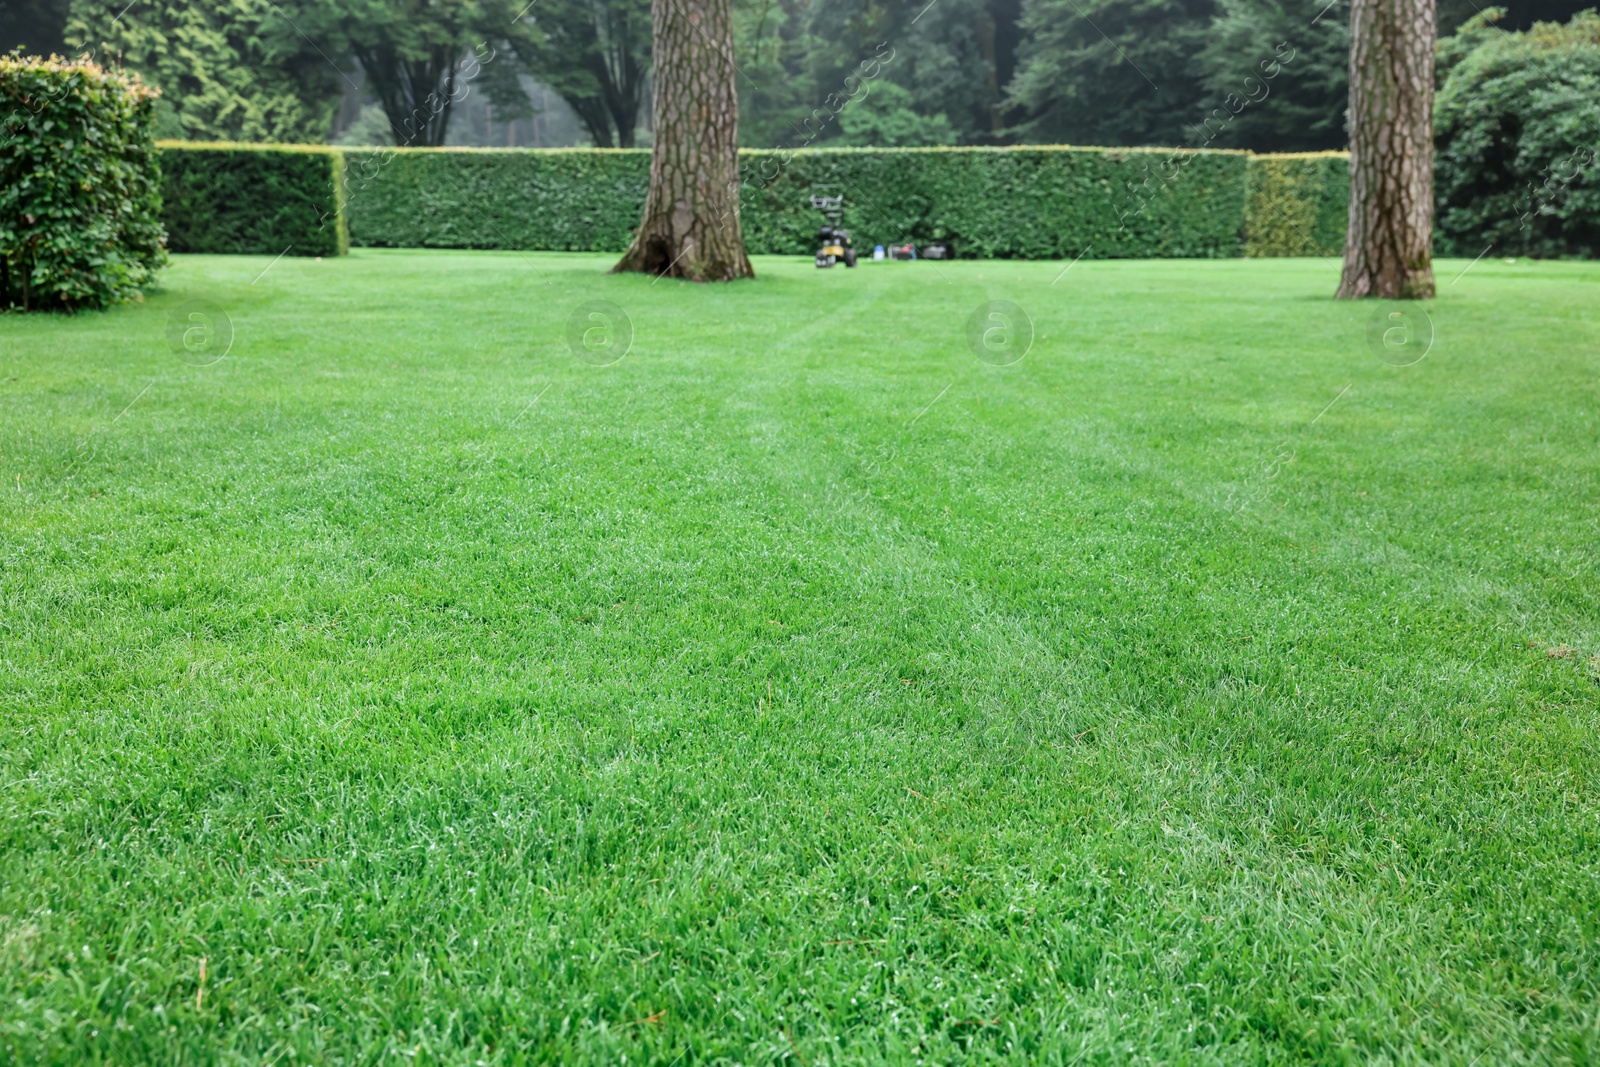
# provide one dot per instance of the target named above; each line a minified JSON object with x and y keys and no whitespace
{"x":1515,"y":133}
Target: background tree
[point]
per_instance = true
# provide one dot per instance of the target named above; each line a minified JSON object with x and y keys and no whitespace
{"x":227,"y":71}
{"x":971,"y":71}
{"x":1515,"y":15}
{"x":1113,"y":72}
{"x":596,"y":54}
{"x":777,"y":85}
{"x":1074,"y":85}
{"x":417,"y":55}
{"x":38,"y":27}
{"x":1304,"y":111}
{"x":1388,"y":249}
{"x":886,"y":117}
{"x":952,"y":59}
{"x":1162,"y":66}
{"x":691,"y":213}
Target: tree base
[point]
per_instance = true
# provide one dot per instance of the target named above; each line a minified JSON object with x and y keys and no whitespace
{"x":690,"y":259}
{"x":1399,"y":285}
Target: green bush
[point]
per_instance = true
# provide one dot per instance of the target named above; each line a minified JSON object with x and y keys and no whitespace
{"x":263,"y":199}
{"x":80,"y":195}
{"x":1298,"y":204}
{"x":1514,"y":129}
{"x":1000,"y":202}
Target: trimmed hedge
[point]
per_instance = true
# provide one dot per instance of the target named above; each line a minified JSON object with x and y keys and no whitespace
{"x":80,"y":194}
{"x":263,"y":199}
{"x":554,"y":199}
{"x":1298,"y":204}
{"x":1023,"y":203}
{"x":1004,"y":203}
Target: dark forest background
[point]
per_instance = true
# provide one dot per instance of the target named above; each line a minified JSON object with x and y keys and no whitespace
{"x":566,"y":72}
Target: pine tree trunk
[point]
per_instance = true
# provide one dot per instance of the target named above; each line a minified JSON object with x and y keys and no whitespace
{"x":1388,"y":250}
{"x":691,"y":213}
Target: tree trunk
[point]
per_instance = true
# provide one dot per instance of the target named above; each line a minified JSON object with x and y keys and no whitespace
{"x":1388,"y":249}
{"x":691,"y":213}
{"x":416,"y":94}
{"x":625,"y":76}
{"x":591,"y":111}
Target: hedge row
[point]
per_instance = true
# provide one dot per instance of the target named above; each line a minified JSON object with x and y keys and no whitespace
{"x":1006,"y":203}
{"x":566,"y":200}
{"x":1022,"y":203}
{"x":233,"y":198}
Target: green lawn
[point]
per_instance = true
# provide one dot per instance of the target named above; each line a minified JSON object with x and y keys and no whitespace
{"x":801,"y":689}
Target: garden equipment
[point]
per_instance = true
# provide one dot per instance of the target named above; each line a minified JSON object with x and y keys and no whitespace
{"x":833,"y":243}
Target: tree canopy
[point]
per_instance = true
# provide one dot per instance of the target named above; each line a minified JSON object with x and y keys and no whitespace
{"x":1108,"y":72}
{"x":229,"y":70}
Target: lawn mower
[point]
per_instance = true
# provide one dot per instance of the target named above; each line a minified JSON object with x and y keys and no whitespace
{"x":833,"y":243}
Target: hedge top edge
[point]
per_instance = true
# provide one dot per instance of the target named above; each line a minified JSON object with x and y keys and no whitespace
{"x":250,"y":146}
{"x":126,"y":80}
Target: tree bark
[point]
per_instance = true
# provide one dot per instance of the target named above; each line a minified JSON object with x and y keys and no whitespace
{"x":1388,"y":248}
{"x":691,"y":214}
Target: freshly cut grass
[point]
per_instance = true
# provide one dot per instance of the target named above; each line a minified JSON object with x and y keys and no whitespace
{"x":801,"y":689}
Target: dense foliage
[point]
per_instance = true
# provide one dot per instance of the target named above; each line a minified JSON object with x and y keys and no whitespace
{"x":886,"y":117}
{"x":230,"y":70}
{"x":1009,"y":203}
{"x":1152,"y":71}
{"x":562,"y":199}
{"x":797,"y":60}
{"x":969,"y":72}
{"x":80,"y":201}
{"x":1301,"y":107}
{"x":265,"y":70}
{"x":249,"y":198}
{"x":1113,"y":71}
{"x":1107,"y":72}
{"x":1517,"y":127}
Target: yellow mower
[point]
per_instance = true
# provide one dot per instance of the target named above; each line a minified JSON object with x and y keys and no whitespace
{"x":833,"y":243}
